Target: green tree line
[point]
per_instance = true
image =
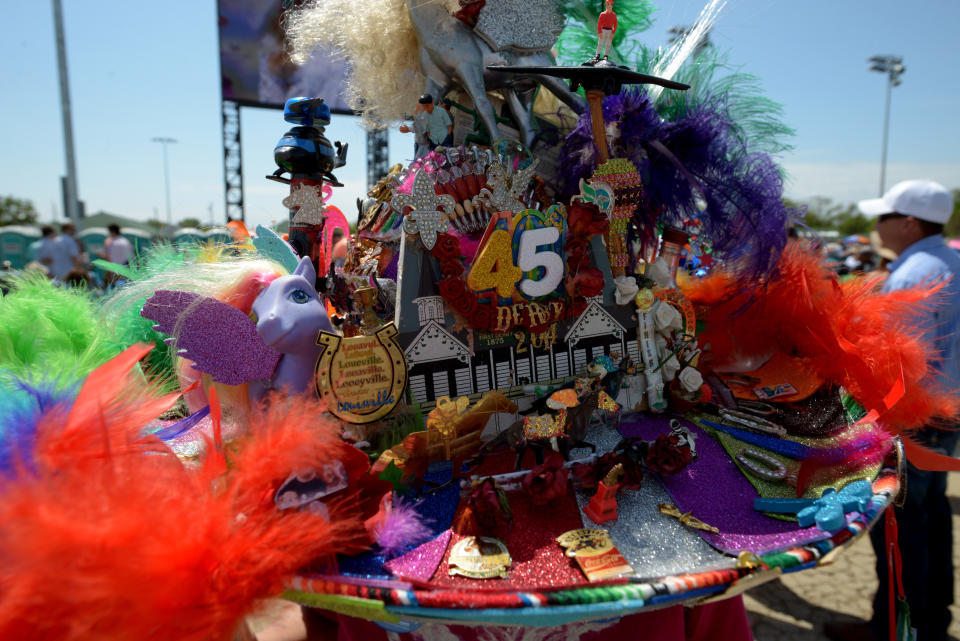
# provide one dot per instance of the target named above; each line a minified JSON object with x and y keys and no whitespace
{"x":823,"y":214}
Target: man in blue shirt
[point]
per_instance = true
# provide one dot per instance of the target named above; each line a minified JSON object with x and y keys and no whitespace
{"x":432,"y":127}
{"x":910,"y":219}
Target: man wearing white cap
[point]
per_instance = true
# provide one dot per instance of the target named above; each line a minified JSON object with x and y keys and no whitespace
{"x":910,"y":219}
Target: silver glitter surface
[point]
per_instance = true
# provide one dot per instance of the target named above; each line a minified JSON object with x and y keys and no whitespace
{"x":654,"y":544}
{"x":530,"y":25}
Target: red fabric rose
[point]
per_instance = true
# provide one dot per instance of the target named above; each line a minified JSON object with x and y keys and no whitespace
{"x":451,"y":268}
{"x":486,"y":512}
{"x":446,"y":248}
{"x":585,"y":219}
{"x":576,"y":250}
{"x":451,"y":288}
{"x":482,"y":315}
{"x":454,"y":291}
{"x":585,"y":284}
{"x":547,"y":481}
{"x":465,"y":305}
{"x":666,"y":456}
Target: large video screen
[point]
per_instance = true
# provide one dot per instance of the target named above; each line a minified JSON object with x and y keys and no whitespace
{"x":254,"y":66}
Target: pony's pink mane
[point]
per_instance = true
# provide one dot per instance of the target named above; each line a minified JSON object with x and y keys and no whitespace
{"x":242,"y":294}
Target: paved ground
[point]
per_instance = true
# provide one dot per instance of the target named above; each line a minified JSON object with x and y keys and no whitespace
{"x":791,"y":609}
{"x":796,"y":607}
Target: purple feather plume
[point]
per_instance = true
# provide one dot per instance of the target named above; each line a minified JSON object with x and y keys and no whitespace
{"x":22,"y":404}
{"x":182,"y":426}
{"x":700,"y":160}
{"x":401,"y":529}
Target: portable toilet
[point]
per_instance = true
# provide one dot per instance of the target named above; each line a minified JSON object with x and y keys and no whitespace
{"x":188,"y":235}
{"x":219,"y":235}
{"x":15,"y":244}
{"x":92,"y":239}
{"x":140,"y":239}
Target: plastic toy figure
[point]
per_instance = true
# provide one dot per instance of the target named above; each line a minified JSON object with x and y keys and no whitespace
{"x":304,"y":151}
{"x":606,"y":27}
{"x":310,"y":159}
{"x":603,"y":506}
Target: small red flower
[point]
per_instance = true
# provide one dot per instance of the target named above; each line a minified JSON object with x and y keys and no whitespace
{"x":486,"y":511}
{"x":464,"y":303}
{"x":451,"y":268}
{"x":576,"y":250}
{"x":547,"y":481}
{"x":454,"y":291}
{"x":446,"y":248}
{"x":451,"y":288}
{"x":667,"y":456}
{"x":585,"y":219}
{"x":585,"y":284}
{"x":482,"y":315}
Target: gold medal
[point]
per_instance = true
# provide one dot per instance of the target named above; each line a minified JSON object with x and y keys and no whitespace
{"x":480,"y":557}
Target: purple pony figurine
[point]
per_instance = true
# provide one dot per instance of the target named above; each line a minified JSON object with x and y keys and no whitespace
{"x":289,"y":316}
{"x":276,"y":351}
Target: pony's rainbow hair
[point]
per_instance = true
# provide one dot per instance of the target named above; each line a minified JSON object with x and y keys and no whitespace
{"x":235,"y":280}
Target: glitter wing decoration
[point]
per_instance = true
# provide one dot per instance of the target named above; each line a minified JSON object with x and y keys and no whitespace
{"x":270,"y":245}
{"x":221,"y":340}
{"x":425,"y":219}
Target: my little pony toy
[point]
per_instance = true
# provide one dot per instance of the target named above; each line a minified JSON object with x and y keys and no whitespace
{"x":261,"y":332}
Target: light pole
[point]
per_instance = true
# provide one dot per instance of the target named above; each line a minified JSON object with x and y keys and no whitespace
{"x":893,"y":67}
{"x":71,"y":201}
{"x":166,"y":173}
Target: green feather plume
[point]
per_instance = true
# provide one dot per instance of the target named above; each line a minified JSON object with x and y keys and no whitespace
{"x":578,"y":41}
{"x":51,"y":333}
{"x":711,"y":77}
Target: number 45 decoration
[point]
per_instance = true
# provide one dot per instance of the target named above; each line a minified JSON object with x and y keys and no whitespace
{"x":522,"y":251}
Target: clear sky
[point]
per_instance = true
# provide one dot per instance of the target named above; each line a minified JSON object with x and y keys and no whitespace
{"x":139,"y":70}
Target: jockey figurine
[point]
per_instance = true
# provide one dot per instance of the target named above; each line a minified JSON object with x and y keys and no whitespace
{"x":606,"y":27}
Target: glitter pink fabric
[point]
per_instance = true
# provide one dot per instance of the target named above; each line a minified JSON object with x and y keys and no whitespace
{"x":538,"y":560}
{"x":418,"y":565}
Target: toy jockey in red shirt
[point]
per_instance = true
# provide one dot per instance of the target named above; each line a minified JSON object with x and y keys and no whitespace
{"x":606,"y":27}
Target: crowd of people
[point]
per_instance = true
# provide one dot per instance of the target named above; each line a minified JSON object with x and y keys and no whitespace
{"x":858,"y":254}
{"x":63,"y":258}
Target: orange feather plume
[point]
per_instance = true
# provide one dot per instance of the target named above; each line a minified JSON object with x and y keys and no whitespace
{"x":849,"y":334}
{"x":106,"y":535}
